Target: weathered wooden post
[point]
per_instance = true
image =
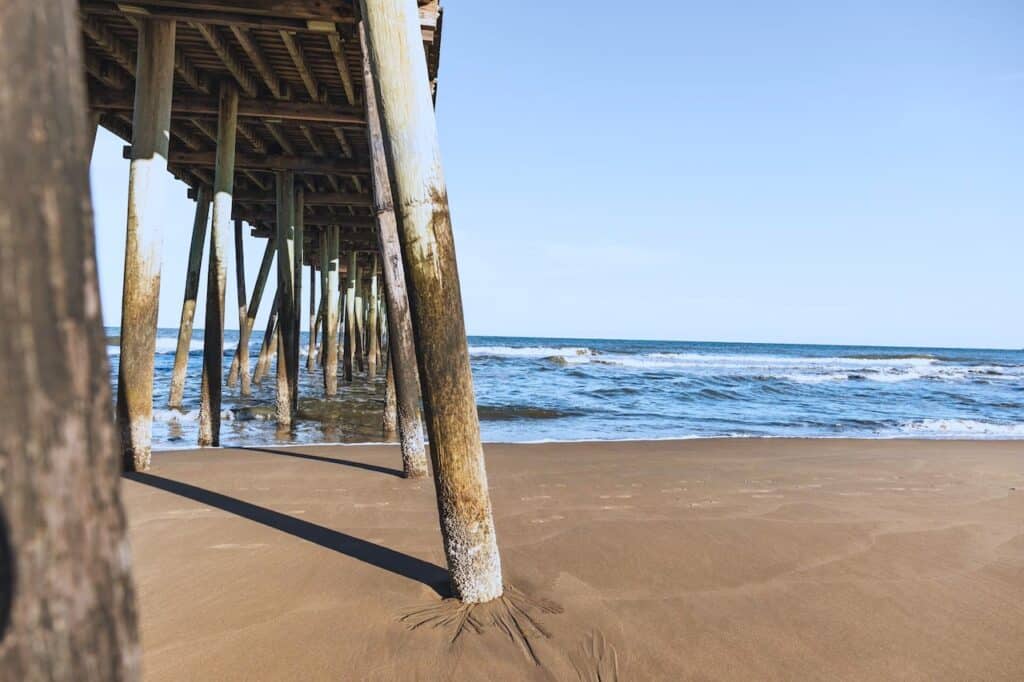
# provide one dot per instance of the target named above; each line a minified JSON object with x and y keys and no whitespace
{"x":390,"y":419}
{"x":373,"y":338}
{"x":360,"y":323}
{"x":350,"y":313}
{"x":269,"y":341}
{"x":401,"y":344}
{"x":299,"y":223}
{"x":243,"y":311}
{"x":67,"y":606}
{"x":242,"y":353}
{"x":311,"y":355}
{"x":406,"y":110}
{"x":188,"y":306}
{"x":286,"y":314}
{"x":216,"y":283}
{"x":151,"y":123}
{"x":322,"y":314}
{"x":332,"y":264}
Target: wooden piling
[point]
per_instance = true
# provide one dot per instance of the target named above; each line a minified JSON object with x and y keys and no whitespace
{"x":405,"y":106}
{"x":216,"y":283}
{"x":360,"y":323}
{"x":373,"y":339}
{"x":390,"y":419}
{"x":242,"y":352}
{"x":286,"y":315}
{"x":332,"y":264}
{"x":67,"y":604}
{"x":350,"y":314}
{"x":269,"y":341}
{"x":401,"y":343}
{"x":140,"y":299}
{"x":243,"y":312}
{"x":298,"y":213}
{"x":188,"y":306}
{"x":311,"y":354}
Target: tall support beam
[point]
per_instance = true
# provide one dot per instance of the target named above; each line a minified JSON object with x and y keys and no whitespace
{"x":67,"y":605}
{"x":332,"y":264}
{"x":287,"y":308}
{"x":299,"y":208}
{"x":188,"y":306}
{"x":243,"y":309}
{"x":390,"y":419}
{"x":269,"y":341}
{"x":350,"y":313}
{"x":360,"y":323}
{"x":242,"y":352}
{"x":401,"y":344}
{"x":405,"y":105}
{"x":151,"y":125}
{"x":373,"y":338}
{"x":322,"y":314}
{"x":311,"y":354}
{"x":216,"y":283}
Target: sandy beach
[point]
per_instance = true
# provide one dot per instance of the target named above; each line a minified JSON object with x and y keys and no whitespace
{"x":701,"y":559}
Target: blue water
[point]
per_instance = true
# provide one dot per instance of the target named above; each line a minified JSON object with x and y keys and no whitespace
{"x":532,"y":389}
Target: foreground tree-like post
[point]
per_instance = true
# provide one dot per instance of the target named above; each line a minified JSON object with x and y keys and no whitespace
{"x":66,"y":599}
{"x":151,"y":123}
{"x":403,"y":378}
{"x":286,"y":312}
{"x":332,"y":264}
{"x":188,"y":306}
{"x":216,"y":283}
{"x":406,"y":110}
{"x":350,"y":313}
{"x":269,"y":341}
{"x":242,"y":353}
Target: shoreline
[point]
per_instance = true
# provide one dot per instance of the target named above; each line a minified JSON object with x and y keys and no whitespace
{"x":680,"y":439}
{"x":701,"y":558}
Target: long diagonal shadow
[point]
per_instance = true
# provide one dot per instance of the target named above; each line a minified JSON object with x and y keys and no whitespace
{"x":330,"y":460}
{"x":429,"y":574}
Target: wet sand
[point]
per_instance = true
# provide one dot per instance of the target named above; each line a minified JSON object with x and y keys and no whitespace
{"x":702,"y":559}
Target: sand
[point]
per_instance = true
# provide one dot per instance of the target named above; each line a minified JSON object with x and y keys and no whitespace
{"x":668,"y":560}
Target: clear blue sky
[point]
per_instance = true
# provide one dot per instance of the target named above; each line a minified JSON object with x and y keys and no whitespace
{"x":737,"y":171}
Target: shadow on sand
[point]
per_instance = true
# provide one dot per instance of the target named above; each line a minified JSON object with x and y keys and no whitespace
{"x":434,"y":577}
{"x":329,"y":460}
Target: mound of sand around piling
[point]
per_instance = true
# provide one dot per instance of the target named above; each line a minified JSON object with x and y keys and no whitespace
{"x":717,"y":559}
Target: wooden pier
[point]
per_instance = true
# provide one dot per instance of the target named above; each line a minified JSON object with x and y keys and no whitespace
{"x":311,"y":122}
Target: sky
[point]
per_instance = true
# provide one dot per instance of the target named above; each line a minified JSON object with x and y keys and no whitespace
{"x":792,"y":172}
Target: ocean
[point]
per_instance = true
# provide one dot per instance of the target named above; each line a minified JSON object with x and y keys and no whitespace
{"x":543,"y":389}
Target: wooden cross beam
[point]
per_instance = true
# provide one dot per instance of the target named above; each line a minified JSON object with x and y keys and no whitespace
{"x":312,"y":198}
{"x":248,"y":108}
{"x":299,"y":164}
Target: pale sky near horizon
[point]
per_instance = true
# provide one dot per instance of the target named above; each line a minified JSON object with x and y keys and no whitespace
{"x":741,"y":171}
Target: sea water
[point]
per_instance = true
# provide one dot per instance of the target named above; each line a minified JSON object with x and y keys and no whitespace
{"x":534,"y":389}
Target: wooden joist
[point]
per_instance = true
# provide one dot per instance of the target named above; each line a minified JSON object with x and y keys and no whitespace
{"x":231,"y":62}
{"x":278,"y":88}
{"x":299,"y":58}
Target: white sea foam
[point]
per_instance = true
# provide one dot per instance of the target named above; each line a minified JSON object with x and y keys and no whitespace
{"x":961,"y":428}
{"x":804,"y":370}
{"x":568,"y":353}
